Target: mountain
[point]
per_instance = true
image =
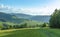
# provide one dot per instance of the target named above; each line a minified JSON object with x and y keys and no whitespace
{"x":40,"y":18}
{"x":18,"y":17}
{"x":21,"y":15}
{"x":4,"y":17}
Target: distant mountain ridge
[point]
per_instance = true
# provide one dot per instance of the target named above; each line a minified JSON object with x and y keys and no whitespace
{"x":40,"y":18}
{"x":10,"y":18}
{"x":13,"y":17}
{"x":21,"y":15}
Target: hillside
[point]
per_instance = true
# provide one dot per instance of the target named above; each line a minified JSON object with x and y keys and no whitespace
{"x":32,"y":23}
{"x":12,"y":21}
{"x":10,"y":18}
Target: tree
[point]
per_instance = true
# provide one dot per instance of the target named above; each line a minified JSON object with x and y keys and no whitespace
{"x":55,"y":19}
{"x":23,"y":25}
{"x":5,"y":26}
{"x":44,"y":25}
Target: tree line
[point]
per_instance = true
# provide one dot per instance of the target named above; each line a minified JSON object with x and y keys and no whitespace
{"x":25,"y":25}
{"x":55,"y":19}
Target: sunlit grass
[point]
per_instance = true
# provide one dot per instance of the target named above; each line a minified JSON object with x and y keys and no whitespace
{"x":30,"y":32}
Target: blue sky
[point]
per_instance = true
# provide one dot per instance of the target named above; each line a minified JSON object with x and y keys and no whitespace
{"x":32,"y":7}
{"x":26,"y":3}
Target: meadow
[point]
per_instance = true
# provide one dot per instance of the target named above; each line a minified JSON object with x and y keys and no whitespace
{"x":30,"y":32}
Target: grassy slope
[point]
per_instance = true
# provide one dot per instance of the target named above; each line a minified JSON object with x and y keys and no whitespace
{"x":31,"y":23}
{"x":33,"y":33}
{"x":8,"y":23}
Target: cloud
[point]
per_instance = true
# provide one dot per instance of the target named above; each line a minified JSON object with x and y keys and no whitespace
{"x":7,"y":9}
{"x":44,"y":10}
{"x":30,"y":11}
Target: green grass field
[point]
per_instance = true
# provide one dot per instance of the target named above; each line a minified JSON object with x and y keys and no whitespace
{"x":30,"y":33}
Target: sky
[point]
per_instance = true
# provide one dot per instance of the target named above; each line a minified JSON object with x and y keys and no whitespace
{"x":31,"y":7}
